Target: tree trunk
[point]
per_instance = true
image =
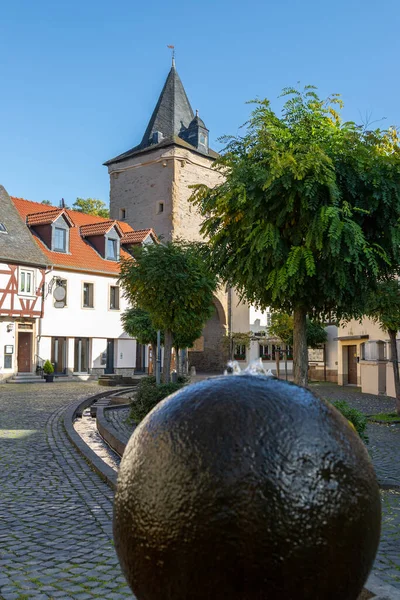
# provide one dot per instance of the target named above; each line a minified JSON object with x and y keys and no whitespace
{"x":167,"y":356}
{"x":177,"y":358}
{"x":285,"y":356}
{"x":154,"y":358}
{"x":277,"y":359}
{"x":395,"y":363}
{"x":300,"y":352}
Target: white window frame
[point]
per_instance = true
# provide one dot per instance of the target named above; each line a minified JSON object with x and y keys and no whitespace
{"x":24,"y":272}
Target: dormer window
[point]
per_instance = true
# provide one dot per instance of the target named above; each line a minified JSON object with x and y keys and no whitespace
{"x":60,"y":239}
{"x":203,"y":139}
{"x":112,"y":249}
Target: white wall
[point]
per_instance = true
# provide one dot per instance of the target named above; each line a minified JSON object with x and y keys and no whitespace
{"x":7,"y":338}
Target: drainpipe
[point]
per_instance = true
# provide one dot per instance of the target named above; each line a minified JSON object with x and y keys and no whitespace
{"x":230,"y":323}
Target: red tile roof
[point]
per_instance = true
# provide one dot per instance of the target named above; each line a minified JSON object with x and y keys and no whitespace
{"x":46,"y":217}
{"x":82,"y":256}
{"x":99,"y":228}
{"x":137,"y":236}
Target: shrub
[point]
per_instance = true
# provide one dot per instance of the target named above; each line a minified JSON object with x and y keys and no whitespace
{"x":354,"y":416}
{"x":48,"y":368}
{"x":149,"y":395}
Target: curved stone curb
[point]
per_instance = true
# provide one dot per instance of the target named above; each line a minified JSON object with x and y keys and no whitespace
{"x":107,"y":431}
{"x":382,"y":591}
{"x":75,"y":409}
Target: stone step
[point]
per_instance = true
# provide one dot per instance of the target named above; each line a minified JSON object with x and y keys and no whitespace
{"x":32,"y":379}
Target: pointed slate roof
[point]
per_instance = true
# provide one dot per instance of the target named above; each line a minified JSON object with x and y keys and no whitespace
{"x":17,"y":244}
{"x":171,"y":117}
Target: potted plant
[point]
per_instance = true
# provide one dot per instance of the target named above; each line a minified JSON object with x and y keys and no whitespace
{"x":48,"y":371}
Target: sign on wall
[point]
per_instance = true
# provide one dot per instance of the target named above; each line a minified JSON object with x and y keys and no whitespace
{"x":315,"y":355}
{"x":8,"y":349}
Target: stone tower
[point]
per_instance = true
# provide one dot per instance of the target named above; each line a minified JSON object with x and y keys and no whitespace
{"x":150,"y":187}
{"x":149,"y":184}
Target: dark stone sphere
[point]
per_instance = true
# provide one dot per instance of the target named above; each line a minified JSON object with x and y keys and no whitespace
{"x":246,"y":488}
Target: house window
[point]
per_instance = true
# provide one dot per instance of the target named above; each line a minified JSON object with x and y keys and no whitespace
{"x":88,"y":289}
{"x":160,"y":208}
{"x":60,"y":239}
{"x":122,"y":214}
{"x":240,"y":352}
{"x":114,"y":297}
{"x":203,"y":139}
{"x":7,"y":360}
{"x":25,"y":282}
{"x":111,"y":249}
{"x":3,"y":228}
{"x":265,"y":353}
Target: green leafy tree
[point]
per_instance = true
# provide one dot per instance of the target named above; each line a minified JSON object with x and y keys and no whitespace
{"x":91,"y":206}
{"x":137,"y":323}
{"x":307,"y":216}
{"x":173,"y":284}
{"x":384,"y":309}
{"x":46,"y":202}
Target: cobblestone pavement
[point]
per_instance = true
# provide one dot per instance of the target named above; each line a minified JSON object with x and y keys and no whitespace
{"x":55,"y":513}
{"x":384,"y":448}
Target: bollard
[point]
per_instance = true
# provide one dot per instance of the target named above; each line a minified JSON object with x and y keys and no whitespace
{"x":246,"y":488}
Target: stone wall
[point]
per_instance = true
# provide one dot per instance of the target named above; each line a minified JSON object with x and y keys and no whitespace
{"x":212,"y":358}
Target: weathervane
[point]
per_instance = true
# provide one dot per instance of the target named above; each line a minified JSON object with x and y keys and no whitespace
{"x":173,"y":54}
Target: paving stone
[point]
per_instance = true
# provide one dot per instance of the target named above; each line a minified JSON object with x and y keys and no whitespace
{"x":55,"y":512}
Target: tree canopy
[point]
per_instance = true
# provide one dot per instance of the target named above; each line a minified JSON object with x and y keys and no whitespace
{"x":384,"y":308}
{"x":91,"y":206}
{"x":282,"y":327}
{"x":173,"y":284}
{"x":307,"y":217}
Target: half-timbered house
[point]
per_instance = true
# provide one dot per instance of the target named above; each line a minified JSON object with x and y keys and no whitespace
{"x":22,"y":275}
{"x":79,"y":329}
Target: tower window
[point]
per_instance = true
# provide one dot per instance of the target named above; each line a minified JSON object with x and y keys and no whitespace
{"x":203,"y":139}
{"x":122,"y":214}
{"x":160,"y":207}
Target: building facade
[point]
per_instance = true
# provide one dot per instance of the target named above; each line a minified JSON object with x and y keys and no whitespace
{"x":150,"y":188}
{"x":22,"y":275}
{"x":77,"y":323}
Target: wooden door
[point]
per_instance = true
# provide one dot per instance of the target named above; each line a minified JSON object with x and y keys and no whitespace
{"x":24,"y":352}
{"x":352,"y":364}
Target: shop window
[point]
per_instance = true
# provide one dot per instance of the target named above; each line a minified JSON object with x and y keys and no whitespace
{"x":240,"y":352}
{"x":265,"y":353}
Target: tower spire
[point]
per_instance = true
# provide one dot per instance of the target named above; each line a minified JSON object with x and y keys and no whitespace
{"x":173,"y":54}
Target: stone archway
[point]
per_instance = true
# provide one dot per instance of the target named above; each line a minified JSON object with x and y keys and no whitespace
{"x":208,"y":354}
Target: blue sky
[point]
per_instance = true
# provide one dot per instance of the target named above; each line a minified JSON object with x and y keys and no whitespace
{"x":81,"y":78}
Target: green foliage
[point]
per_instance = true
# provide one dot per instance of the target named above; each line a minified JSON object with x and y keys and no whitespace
{"x":282,"y":328}
{"x":308,"y":213}
{"x":137,"y":323}
{"x":149,"y":395}
{"x":171,"y":282}
{"x":174,"y":285}
{"x":48,"y":368}
{"x":385,"y":418}
{"x":91,"y":206}
{"x":237,"y":338}
{"x":316,"y":334}
{"x":384,"y":304}
{"x":354,"y":416}
{"x":46,"y":202}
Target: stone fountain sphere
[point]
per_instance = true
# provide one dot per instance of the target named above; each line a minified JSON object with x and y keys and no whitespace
{"x":246,"y":488}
